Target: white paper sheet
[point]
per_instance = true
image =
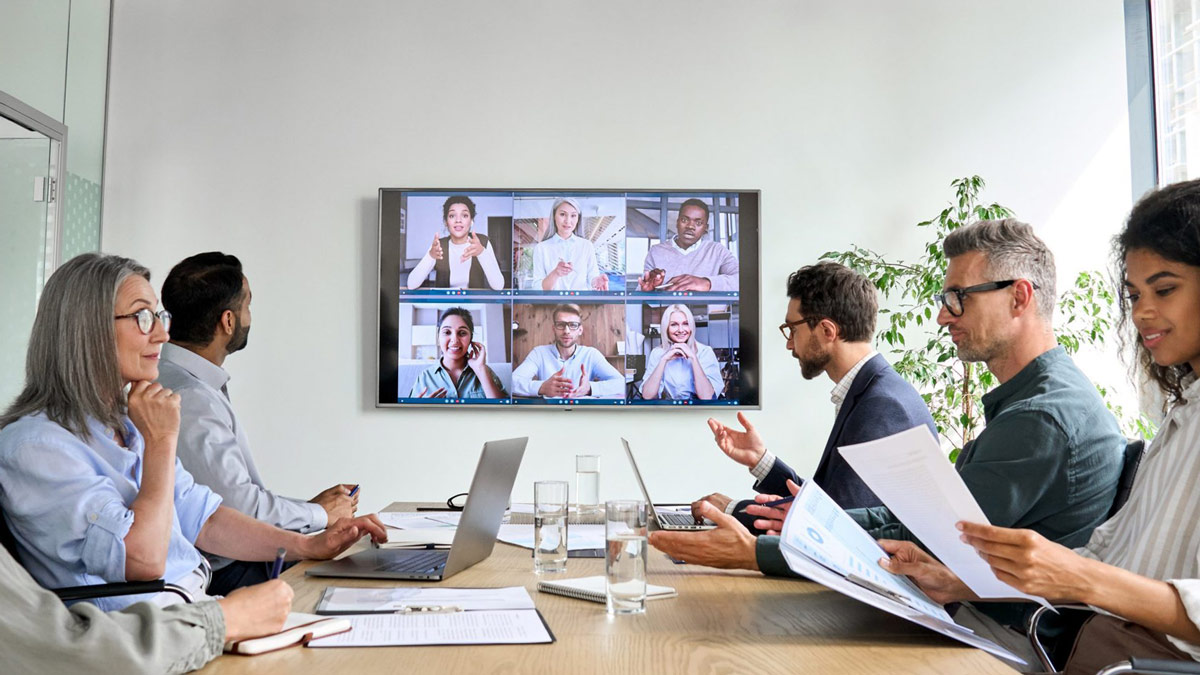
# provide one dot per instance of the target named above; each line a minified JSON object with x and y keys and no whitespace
{"x":579,"y":537}
{"x":822,"y":543}
{"x":407,"y":520}
{"x":521,"y":626}
{"x":909,"y":472}
{"x":344,"y":600}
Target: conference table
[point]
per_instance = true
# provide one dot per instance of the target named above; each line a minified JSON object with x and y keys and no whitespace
{"x":721,"y":622}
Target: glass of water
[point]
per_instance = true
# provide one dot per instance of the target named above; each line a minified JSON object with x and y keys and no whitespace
{"x":587,"y":484}
{"x":550,"y":526}
{"x":625,"y":556}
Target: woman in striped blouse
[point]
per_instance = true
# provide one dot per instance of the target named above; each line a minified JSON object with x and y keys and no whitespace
{"x":1141,"y":569}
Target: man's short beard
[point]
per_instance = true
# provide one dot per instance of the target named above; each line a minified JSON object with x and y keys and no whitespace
{"x":241,"y":336}
{"x":813,"y":367}
{"x":974,"y":353}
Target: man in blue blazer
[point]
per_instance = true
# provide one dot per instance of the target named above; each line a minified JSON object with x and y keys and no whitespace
{"x":829,"y":326}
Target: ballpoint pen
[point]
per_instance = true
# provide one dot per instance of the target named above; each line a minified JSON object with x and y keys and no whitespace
{"x":278,"y":567}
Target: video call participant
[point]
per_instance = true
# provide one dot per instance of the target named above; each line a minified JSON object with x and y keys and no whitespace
{"x":681,"y":368}
{"x":829,"y":327}
{"x":42,"y":635}
{"x":685,"y":262}
{"x":566,"y":262}
{"x":471,"y":262}
{"x":209,"y":297}
{"x":1051,"y":453}
{"x":89,"y":482}
{"x":1142,"y":567}
{"x":566,"y":368}
{"x":461,"y":371}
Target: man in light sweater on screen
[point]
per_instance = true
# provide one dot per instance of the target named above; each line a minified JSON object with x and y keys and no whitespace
{"x":566,"y":368}
{"x":209,"y":299}
{"x":687,"y":262}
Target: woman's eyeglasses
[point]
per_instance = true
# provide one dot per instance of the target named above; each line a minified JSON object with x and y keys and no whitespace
{"x":145,"y":319}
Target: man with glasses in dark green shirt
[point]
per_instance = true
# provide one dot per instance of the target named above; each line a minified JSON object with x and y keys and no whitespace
{"x":1051,"y":453}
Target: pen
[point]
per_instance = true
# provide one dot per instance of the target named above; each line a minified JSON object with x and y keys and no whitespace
{"x":428,"y":609}
{"x":353,"y":490}
{"x":278,"y":563}
{"x":779,"y":502}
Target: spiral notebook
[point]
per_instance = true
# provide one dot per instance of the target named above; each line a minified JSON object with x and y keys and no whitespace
{"x":593,"y":589}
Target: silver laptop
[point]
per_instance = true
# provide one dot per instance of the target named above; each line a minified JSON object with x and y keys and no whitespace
{"x":664,"y":519}
{"x":473,"y":540}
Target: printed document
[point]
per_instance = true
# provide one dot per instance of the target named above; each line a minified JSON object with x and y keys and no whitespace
{"x":911,"y":474}
{"x":819,"y":541}
{"x":345,"y":600}
{"x":521,"y":626}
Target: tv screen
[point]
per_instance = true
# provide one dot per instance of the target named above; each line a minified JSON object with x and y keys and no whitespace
{"x":568,"y":298}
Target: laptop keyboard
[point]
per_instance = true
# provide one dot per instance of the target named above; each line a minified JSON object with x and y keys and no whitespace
{"x":676,"y":518}
{"x":420,"y":562}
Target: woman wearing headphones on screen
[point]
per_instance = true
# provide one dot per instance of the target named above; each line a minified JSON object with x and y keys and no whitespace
{"x":463,"y":259}
{"x":681,"y":368}
{"x":565,"y":262}
{"x":462,"y":370}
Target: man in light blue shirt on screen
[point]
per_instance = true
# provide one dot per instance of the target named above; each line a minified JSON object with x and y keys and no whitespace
{"x":209,"y":297}
{"x":566,"y":368}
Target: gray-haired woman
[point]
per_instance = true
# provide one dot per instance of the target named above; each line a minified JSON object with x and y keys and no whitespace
{"x":92,"y":490}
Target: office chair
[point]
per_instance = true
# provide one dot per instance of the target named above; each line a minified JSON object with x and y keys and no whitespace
{"x":1134,"y":449}
{"x":72,"y":593}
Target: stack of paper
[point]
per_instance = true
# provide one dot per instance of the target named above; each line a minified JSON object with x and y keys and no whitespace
{"x":909,"y":472}
{"x":821,"y":542}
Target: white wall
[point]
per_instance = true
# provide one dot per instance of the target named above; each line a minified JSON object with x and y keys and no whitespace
{"x":264,"y":129}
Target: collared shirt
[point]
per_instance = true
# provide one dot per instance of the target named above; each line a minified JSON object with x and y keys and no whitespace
{"x":437,"y":377}
{"x":1048,"y":459}
{"x":214,"y":448}
{"x":67,"y":502}
{"x":705,"y":258}
{"x":41,"y":634}
{"x":837,"y":396}
{"x":1156,"y":533}
{"x":678,"y":379}
{"x":576,"y":250}
{"x":460,"y":270}
{"x":544,"y":361}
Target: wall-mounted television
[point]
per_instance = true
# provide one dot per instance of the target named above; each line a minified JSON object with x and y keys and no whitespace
{"x":568,"y":298}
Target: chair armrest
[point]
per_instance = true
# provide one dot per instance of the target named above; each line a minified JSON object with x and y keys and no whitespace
{"x":89,"y":592}
{"x":1151,"y":667}
{"x":1031,"y":629}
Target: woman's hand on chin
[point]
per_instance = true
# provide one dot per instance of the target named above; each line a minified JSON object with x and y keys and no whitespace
{"x":154,"y":410}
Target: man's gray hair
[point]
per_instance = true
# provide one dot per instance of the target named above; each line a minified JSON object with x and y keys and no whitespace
{"x":71,"y":368}
{"x":1013,"y":251}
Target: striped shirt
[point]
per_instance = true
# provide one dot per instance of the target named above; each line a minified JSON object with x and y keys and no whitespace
{"x":1157,"y":532}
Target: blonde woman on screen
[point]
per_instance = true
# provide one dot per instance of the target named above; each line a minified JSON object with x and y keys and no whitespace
{"x":681,"y":368}
{"x":566,"y":262}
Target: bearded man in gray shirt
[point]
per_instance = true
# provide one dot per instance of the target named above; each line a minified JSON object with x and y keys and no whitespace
{"x":209,"y":300}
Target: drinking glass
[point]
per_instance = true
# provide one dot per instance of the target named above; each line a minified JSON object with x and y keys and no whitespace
{"x":550,"y":526}
{"x":587,"y":484}
{"x":625,"y":556}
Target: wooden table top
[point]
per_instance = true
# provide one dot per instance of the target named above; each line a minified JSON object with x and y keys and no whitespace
{"x":722,"y":622}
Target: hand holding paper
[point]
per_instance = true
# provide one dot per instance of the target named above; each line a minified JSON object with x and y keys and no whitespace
{"x":913,"y":478}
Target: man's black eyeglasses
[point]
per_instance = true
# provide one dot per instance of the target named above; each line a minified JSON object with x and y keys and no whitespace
{"x":952,"y":299}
